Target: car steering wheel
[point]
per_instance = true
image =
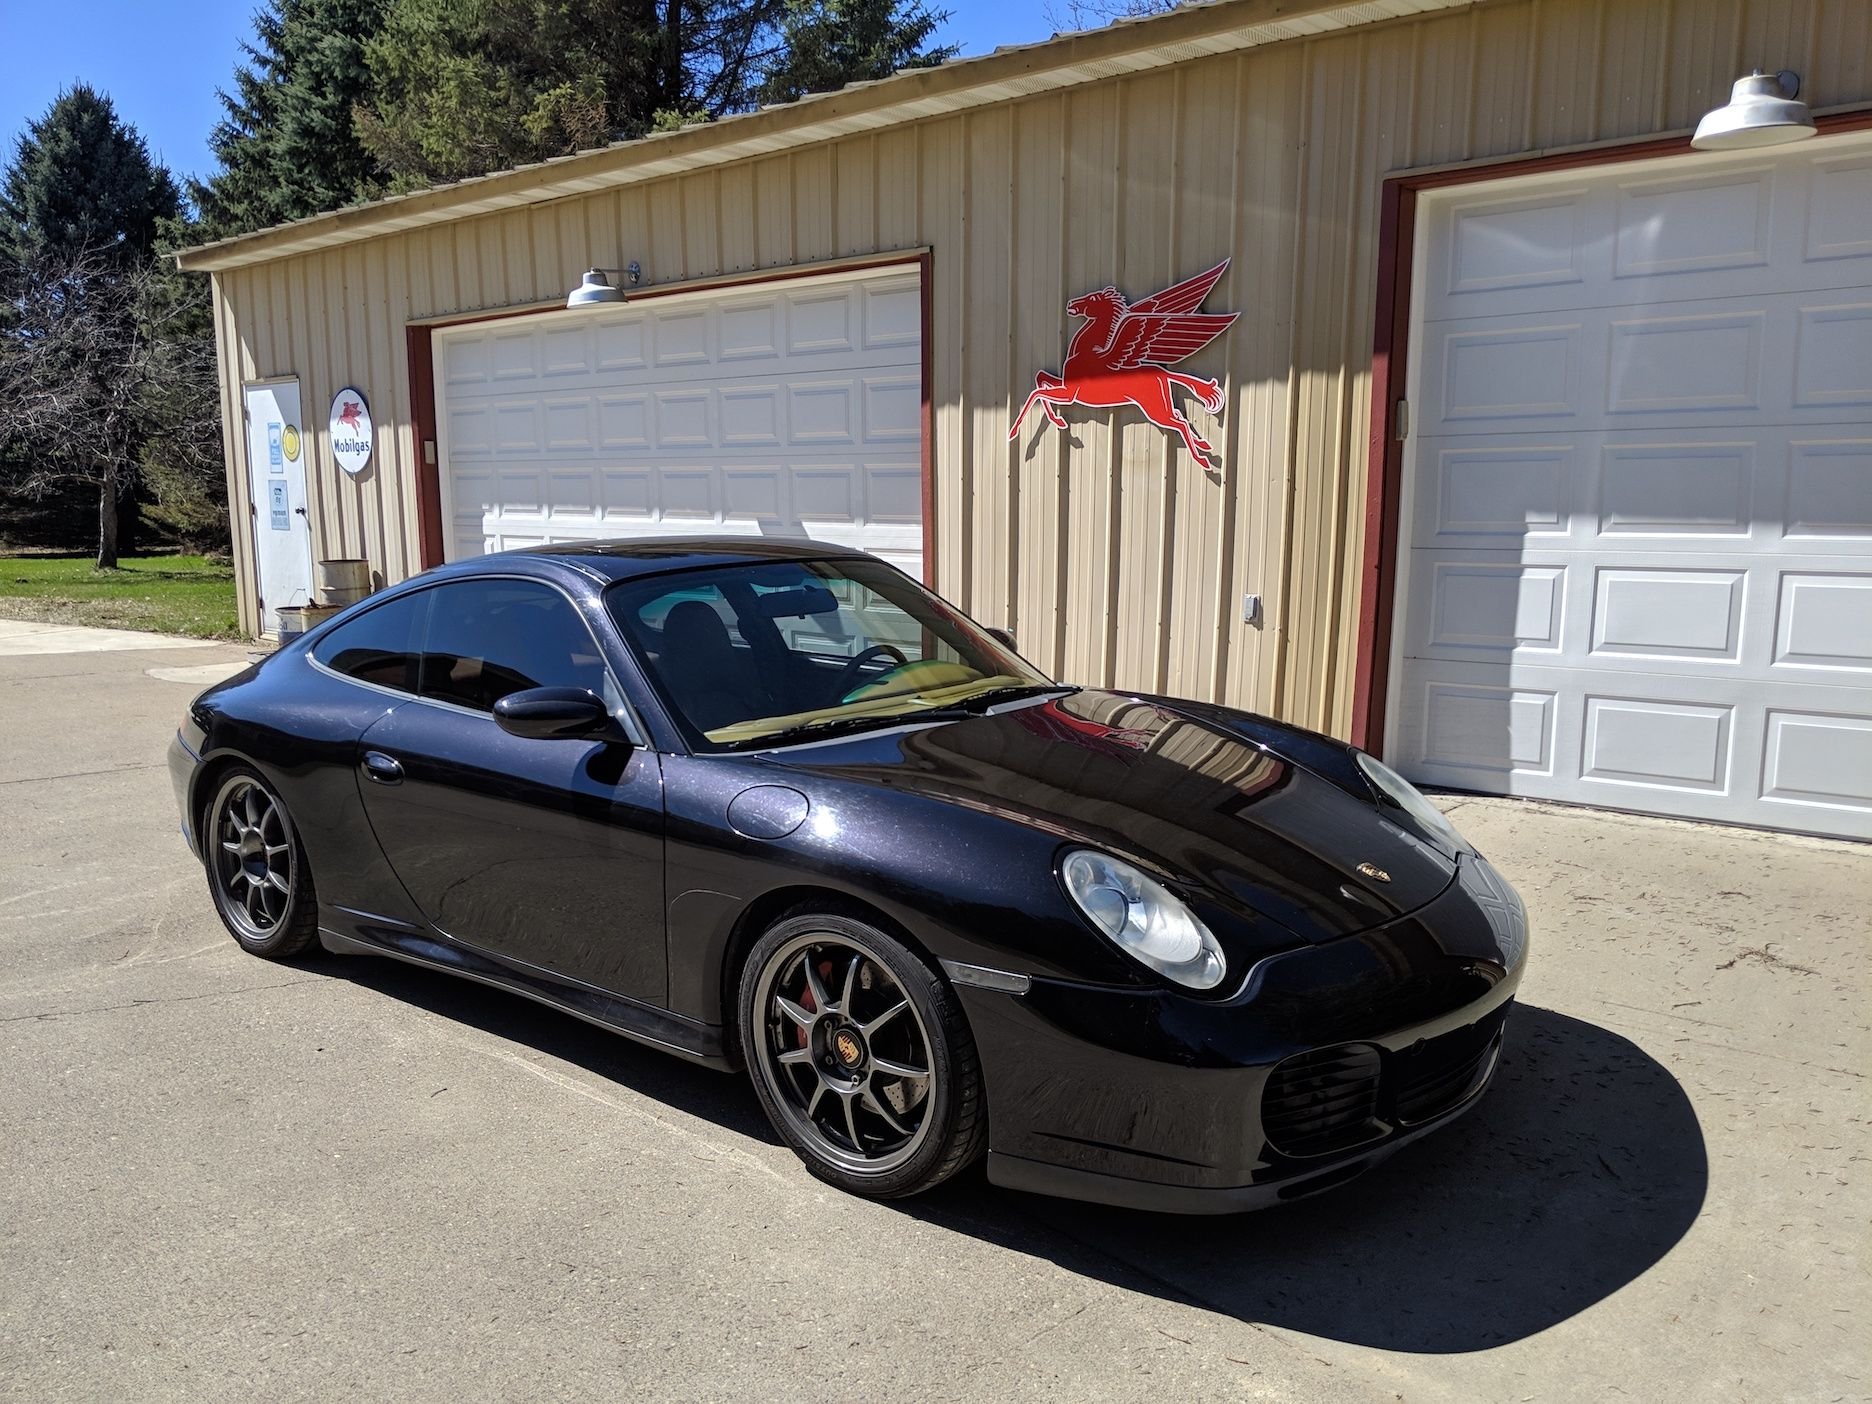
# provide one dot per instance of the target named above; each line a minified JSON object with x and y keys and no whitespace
{"x":848,"y":676}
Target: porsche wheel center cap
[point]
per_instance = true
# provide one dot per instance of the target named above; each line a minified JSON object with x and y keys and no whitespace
{"x":848,"y":1048}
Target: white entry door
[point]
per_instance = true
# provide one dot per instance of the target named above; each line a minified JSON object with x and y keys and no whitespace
{"x":1638,"y":517}
{"x":276,"y":454}
{"x":792,"y":408}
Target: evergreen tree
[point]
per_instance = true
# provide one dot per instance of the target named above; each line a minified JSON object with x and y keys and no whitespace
{"x":287,"y":147}
{"x":462,"y":87}
{"x":829,"y":43}
{"x":81,"y":180}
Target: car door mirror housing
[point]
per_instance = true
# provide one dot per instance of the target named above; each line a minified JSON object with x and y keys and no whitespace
{"x":557,"y":714}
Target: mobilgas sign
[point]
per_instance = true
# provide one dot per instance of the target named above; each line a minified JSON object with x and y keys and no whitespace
{"x":351,"y":440}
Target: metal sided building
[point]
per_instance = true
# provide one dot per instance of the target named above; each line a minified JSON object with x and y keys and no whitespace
{"x":1541,"y":448}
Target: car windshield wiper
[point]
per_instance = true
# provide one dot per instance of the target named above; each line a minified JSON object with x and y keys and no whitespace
{"x":981,"y":701}
{"x":821,"y":725}
{"x":965,"y":710}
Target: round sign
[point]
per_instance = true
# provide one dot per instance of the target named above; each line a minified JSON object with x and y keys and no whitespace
{"x":351,"y":439}
{"x":289,"y":442}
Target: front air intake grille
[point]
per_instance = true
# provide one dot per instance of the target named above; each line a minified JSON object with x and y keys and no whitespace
{"x":1324,"y":1101}
{"x":1436,"y":1075}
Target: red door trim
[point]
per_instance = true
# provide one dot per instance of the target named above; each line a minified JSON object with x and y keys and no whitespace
{"x":428,"y":451}
{"x":1397,"y":229}
{"x":421,"y":343}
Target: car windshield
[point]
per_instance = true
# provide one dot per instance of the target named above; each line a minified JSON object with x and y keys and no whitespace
{"x":752,"y":655}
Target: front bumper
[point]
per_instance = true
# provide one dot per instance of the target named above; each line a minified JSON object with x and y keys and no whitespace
{"x":183,"y":763}
{"x":1330,"y":1059}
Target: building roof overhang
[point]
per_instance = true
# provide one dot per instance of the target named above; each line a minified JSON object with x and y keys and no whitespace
{"x":1129,"y":46}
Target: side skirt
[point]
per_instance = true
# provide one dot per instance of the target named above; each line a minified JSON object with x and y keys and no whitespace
{"x":660,"y":1029}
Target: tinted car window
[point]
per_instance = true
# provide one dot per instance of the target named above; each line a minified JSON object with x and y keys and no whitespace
{"x":379,"y":646}
{"x":747,"y":654}
{"x":487,"y":638}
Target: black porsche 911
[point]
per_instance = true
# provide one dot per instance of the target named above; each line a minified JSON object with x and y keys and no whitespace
{"x":775,"y":806}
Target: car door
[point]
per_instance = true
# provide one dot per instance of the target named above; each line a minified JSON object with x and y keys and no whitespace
{"x":546,"y":853}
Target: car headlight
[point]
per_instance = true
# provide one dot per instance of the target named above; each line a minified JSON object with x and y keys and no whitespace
{"x":1407,"y":797}
{"x":1144,"y":917}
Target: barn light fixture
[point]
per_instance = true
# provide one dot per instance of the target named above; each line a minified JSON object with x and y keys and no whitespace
{"x":1762,"y":111}
{"x":594,"y":287}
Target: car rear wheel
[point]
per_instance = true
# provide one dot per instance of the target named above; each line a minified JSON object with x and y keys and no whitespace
{"x":257,"y":870}
{"x":861,"y":1056}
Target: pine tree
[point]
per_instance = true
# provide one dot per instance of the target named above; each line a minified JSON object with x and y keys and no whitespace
{"x":81,"y":180}
{"x":462,"y":87}
{"x":829,"y":43}
{"x":286,"y":146}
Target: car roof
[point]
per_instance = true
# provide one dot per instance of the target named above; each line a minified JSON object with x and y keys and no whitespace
{"x":654,"y":555}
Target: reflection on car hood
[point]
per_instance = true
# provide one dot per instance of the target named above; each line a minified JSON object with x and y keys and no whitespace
{"x":1227,"y":821}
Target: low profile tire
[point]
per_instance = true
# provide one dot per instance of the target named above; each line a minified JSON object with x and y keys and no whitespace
{"x":257,"y":870}
{"x":861,"y":1056}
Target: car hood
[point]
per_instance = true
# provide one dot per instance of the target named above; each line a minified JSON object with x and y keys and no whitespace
{"x":1229,"y":822}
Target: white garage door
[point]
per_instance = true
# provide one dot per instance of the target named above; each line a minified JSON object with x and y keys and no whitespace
{"x":1639,"y":490}
{"x":792,"y":408}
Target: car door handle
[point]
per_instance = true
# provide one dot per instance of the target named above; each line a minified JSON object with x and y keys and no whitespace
{"x":385,"y":770}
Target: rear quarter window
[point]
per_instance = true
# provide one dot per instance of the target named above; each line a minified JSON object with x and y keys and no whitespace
{"x":381,"y":645}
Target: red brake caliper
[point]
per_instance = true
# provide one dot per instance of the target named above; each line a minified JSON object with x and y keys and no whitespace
{"x":808,"y":1003}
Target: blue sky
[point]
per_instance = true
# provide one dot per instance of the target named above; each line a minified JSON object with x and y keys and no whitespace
{"x":161,"y":60}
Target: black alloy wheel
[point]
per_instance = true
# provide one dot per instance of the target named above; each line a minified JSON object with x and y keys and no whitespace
{"x":257,"y":870}
{"x":861,"y":1056}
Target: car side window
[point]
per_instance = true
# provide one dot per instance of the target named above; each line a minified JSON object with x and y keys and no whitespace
{"x":380,"y":645}
{"x":487,"y":638}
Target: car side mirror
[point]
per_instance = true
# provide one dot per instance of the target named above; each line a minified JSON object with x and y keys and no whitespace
{"x":556,"y":714}
{"x":1004,"y":637}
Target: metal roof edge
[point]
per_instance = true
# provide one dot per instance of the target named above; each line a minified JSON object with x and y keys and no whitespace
{"x":1007,"y":74}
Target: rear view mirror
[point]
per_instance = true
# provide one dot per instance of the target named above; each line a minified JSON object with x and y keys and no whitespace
{"x":796,"y":604}
{"x":1004,"y":637}
{"x":556,"y":714}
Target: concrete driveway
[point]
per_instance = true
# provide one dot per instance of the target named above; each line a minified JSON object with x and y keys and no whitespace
{"x":224,"y":1179}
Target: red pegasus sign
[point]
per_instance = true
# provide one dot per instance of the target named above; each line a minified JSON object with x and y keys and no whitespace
{"x":1123,"y":354}
{"x":351,"y":414}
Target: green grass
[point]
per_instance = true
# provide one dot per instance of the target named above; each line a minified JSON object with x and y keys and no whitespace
{"x":165,"y":594}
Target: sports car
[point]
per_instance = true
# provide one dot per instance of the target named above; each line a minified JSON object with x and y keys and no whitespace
{"x":777,"y":808}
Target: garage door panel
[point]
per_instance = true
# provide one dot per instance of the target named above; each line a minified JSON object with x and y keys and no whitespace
{"x":1491,"y":607}
{"x":680,"y":419}
{"x":1829,"y":489}
{"x":1689,"y":615}
{"x":1508,"y":369}
{"x":1693,"y":224}
{"x":1680,"y":487}
{"x":1825,"y":622}
{"x":1839,"y":209}
{"x":792,"y":410}
{"x":1639,"y":565}
{"x":1495,"y":494}
{"x":1796,"y":221}
{"x":1833,"y":356}
{"x":1472,"y":728}
{"x":1805,"y":359}
{"x":1657,"y":743}
{"x":1819,"y":762}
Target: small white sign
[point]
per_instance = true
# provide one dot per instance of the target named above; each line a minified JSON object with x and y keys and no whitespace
{"x":351,"y":439}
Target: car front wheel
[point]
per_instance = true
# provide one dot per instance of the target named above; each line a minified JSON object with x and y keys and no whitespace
{"x":861,"y":1056}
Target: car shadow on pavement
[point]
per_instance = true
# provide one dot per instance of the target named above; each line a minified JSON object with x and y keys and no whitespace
{"x":1582,"y":1166}
{"x":728,"y":1102}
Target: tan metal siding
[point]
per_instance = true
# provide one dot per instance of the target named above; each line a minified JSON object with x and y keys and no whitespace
{"x":1115,"y":558}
